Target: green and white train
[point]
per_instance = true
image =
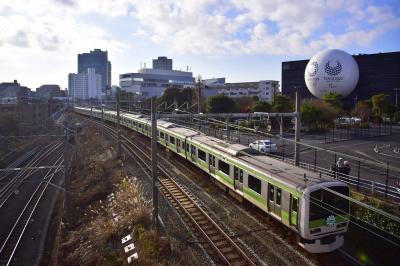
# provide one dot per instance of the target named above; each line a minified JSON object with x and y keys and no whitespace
{"x":295,"y":197}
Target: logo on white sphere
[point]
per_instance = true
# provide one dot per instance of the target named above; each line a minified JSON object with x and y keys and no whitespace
{"x":333,"y":71}
{"x":313,"y":69}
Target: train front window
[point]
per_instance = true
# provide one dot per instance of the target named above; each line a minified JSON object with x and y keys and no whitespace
{"x":324,"y":203}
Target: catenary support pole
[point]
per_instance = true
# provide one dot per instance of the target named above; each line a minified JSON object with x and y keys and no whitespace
{"x":102,"y":119}
{"x":154,"y":159}
{"x":118,"y":125}
{"x":297,"y":131}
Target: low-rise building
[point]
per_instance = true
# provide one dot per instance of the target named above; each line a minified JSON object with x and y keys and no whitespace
{"x":48,"y":91}
{"x":13,"y":92}
{"x":263,"y":89}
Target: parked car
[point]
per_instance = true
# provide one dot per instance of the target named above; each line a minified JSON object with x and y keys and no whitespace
{"x":263,"y":146}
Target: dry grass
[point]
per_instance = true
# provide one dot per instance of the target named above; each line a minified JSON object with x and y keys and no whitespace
{"x":107,"y":206}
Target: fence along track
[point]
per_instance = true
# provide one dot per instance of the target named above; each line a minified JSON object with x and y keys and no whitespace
{"x":218,"y":243}
{"x":13,"y":239}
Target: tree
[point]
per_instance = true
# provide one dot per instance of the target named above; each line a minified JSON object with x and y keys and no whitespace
{"x":244,"y":103}
{"x":363,"y":110}
{"x":334,"y":99}
{"x":220,"y":104}
{"x":178,"y":95}
{"x":282,"y":104}
{"x":380,"y":105}
{"x":261,"y":106}
{"x":317,"y":113}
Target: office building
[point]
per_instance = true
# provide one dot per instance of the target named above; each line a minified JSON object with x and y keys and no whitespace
{"x":98,"y":60}
{"x":162,"y":62}
{"x":48,"y":91}
{"x":149,"y":82}
{"x":85,"y":86}
{"x":379,"y":73}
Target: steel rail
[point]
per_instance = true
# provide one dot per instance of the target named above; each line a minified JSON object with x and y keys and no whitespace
{"x":224,"y":252}
{"x":6,"y":191}
{"x":10,"y":245}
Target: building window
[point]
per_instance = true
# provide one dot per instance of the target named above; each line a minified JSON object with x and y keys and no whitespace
{"x":201,"y":155}
{"x":254,"y":184}
{"x":223,"y":167}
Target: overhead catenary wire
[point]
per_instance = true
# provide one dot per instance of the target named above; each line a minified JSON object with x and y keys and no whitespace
{"x":387,"y":215}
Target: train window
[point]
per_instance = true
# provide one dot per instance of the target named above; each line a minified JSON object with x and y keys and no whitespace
{"x":178,"y":142}
{"x":278,"y":196}
{"x":187,"y":147}
{"x":171,"y":140}
{"x":255,"y":184}
{"x":201,"y":155}
{"x":271,"y":192}
{"x":223,"y":167}
{"x":162,"y":135}
{"x":140,"y":125}
{"x":193,"y":149}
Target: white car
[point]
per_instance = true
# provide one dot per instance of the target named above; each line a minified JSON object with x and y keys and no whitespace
{"x":263,"y":146}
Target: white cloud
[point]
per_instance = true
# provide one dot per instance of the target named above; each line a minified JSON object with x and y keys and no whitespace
{"x":298,"y":27}
{"x":52,"y":29}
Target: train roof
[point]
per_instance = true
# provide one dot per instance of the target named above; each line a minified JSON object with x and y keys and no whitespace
{"x":287,"y":173}
{"x":284,"y":172}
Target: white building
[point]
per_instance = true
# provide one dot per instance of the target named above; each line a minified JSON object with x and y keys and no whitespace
{"x":85,"y":86}
{"x":263,"y":89}
{"x":149,"y":82}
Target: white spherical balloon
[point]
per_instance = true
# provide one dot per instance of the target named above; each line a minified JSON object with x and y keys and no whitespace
{"x":331,"y":71}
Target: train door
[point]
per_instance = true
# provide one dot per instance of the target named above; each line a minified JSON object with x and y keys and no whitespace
{"x":193,"y":152}
{"x":178,"y":145}
{"x":211,"y":163}
{"x":294,"y":209}
{"x":238,"y":178}
{"x":274,"y":199}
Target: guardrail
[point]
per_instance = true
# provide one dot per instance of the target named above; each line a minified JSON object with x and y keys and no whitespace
{"x":365,"y":185}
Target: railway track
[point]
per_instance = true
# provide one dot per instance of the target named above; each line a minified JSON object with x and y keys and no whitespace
{"x":13,"y":240}
{"x":12,"y":185}
{"x":346,"y":258}
{"x":215,"y":241}
{"x":19,"y":161}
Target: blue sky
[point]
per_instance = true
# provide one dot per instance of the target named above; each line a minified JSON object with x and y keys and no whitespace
{"x":242,"y":40}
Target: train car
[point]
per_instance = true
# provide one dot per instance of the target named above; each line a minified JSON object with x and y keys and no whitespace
{"x":304,"y":201}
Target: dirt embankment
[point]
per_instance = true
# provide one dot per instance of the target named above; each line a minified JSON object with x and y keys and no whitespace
{"x":105,"y":205}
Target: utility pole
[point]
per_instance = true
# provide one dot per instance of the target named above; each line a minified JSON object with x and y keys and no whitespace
{"x":91,"y":109}
{"x":228,"y":135}
{"x":297,"y":131}
{"x":102,"y":118}
{"x":199,"y":97}
{"x":154,"y":160}
{"x":118,"y":126}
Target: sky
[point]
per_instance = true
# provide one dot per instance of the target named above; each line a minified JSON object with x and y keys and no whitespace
{"x":242,"y":40}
